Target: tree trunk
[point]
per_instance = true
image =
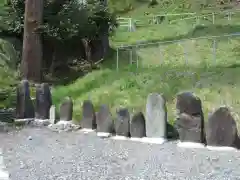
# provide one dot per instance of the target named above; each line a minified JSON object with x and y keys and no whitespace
{"x":32,"y":43}
{"x":88,"y":50}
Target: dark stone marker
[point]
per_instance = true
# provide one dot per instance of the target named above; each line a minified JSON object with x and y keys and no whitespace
{"x":66,"y":109}
{"x":104,"y":120}
{"x":188,"y":103}
{"x":25,"y":108}
{"x":122,"y":123}
{"x":221,"y":128}
{"x":43,"y":101}
{"x":137,"y":125}
{"x":190,"y":120}
{"x":89,"y":117}
{"x":156,"y":116}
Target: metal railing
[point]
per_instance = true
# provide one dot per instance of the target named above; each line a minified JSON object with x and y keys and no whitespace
{"x":132,"y":23}
{"x":133,"y":50}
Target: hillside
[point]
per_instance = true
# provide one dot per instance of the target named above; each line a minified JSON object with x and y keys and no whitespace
{"x":207,"y":67}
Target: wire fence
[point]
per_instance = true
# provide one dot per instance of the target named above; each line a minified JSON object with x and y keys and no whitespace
{"x":210,"y":50}
{"x":132,"y":24}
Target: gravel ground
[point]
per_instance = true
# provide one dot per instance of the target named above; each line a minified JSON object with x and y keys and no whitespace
{"x":39,"y":154}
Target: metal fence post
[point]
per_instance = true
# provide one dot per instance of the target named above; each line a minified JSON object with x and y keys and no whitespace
{"x":117,"y":59}
{"x":161,"y":53}
{"x":136,"y":55}
{"x":213,"y":18}
{"x":214,"y":50}
{"x":130,"y":24}
{"x":131,"y":56}
{"x":185,"y":54}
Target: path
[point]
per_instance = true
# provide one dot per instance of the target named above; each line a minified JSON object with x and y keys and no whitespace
{"x":76,"y":156}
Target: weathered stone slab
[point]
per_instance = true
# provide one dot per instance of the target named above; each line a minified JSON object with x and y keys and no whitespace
{"x":137,"y":126}
{"x":25,"y":108}
{"x":156,"y":116}
{"x":66,"y":109}
{"x":89,"y":118}
{"x":52,"y":115}
{"x":43,"y":101}
{"x":104,"y":121}
{"x":122,"y":123}
{"x":188,"y":103}
{"x":221,"y":128}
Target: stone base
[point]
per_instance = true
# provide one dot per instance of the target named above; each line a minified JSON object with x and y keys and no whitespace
{"x":4,"y":175}
{"x":136,"y":139}
{"x":86,"y":131}
{"x":22,"y":122}
{"x":64,"y":126}
{"x":153,"y":140}
{"x":103,"y":134}
{"x":190,"y":145}
{"x":40,"y":122}
{"x":221,"y":148}
{"x":119,"y":138}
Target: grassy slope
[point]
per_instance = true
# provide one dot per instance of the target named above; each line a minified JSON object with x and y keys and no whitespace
{"x":216,"y":82}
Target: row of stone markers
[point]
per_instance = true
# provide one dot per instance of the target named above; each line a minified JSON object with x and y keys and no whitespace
{"x":220,"y":130}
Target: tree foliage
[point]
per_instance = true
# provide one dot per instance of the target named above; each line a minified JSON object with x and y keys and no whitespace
{"x":65,"y":20}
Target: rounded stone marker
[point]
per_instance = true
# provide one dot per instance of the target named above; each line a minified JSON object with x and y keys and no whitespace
{"x":104,"y":121}
{"x":43,"y":101}
{"x":221,"y":130}
{"x":89,"y":117}
{"x":66,"y":109}
{"x":137,"y":125}
{"x":122,"y":127}
{"x":156,"y":116}
{"x":25,"y":108}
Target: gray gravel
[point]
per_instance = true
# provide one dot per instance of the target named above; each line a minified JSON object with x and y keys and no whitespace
{"x":39,"y":154}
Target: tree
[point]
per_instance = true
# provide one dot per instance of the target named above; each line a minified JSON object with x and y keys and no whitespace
{"x":32,"y":41}
{"x":65,"y":24}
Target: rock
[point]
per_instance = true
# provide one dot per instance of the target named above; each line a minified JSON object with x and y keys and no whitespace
{"x":5,"y":127}
{"x":190,"y":120}
{"x":64,"y":126}
{"x":23,"y":122}
{"x":7,"y":115}
{"x":25,"y":108}
{"x":52,"y":115}
{"x":104,"y":120}
{"x":156,"y":116}
{"x":188,"y":103}
{"x":190,"y":128}
{"x":43,"y":101}
{"x":89,"y":118}
{"x":29,"y":137}
{"x":39,"y":122}
{"x":221,"y":128}
{"x":122,"y":123}
{"x":137,"y":125}
{"x":66,"y":109}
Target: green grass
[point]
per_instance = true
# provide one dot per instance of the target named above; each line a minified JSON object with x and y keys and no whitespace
{"x":164,"y":69}
{"x":215,"y":82}
{"x":8,"y":73}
